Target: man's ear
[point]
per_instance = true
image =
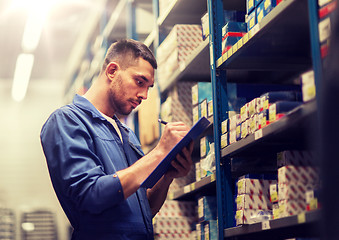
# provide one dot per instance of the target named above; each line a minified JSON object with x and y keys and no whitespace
{"x":111,"y":69}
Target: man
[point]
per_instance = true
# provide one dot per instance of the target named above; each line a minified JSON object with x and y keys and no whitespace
{"x":95,"y":162}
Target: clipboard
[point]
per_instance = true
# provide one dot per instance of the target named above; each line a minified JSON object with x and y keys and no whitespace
{"x":197,"y":129}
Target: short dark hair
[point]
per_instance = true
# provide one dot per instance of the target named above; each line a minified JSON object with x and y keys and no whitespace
{"x":126,"y":52}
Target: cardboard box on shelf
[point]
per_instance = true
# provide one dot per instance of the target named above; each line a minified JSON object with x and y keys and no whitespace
{"x":254,"y":186}
{"x":247,"y":201}
{"x":174,"y":225}
{"x":250,"y":216}
{"x":294,"y":190}
{"x":269,"y":5}
{"x":291,"y":207}
{"x":308,"y":86}
{"x":178,"y":105}
{"x":176,"y":48}
{"x":175,"y":209}
{"x":301,"y":174}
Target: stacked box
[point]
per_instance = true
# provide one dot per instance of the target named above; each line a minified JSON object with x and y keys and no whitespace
{"x":173,"y":236}
{"x":249,"y":216}
{"x":200,"y":231}
{"x":302,"y":174}
{"x":326,"y":13}
{"x":297,"y":176}
{"x":171,"y":225}
{"x":257,"y":10}
{"x":250,"y":6}
{"x":254,"y":186}
{"x":308,"y":86}
{"x":296,"y":191}
{"x":175,"y":220}
{"x":253,"y":102}
{"x":253,"y":201}
{"x":291,"y":207}
{"x":178,"y":105}
{"x":174,"y":50}
{"x":173,"y":208}
{"x":269,"y":5}
{"x":251,"y":20}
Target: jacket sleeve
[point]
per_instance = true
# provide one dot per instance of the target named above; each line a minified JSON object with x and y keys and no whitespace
{"x":75,"y":170}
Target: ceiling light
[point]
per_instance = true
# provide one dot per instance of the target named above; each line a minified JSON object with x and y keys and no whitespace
{"x":32,"y":32}
{"x":22,"y":74}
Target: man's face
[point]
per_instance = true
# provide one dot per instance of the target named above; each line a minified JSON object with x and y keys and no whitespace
{"x":130,"y":86}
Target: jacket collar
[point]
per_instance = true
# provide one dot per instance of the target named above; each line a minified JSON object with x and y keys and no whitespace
{"x":87,"y":106}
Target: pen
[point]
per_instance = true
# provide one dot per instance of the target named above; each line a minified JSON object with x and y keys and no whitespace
{"x":162,"y":121}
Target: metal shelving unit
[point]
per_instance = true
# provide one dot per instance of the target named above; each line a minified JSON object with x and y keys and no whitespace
{"x":289,"y":132}
{"x":301,"y":225}
{"x":282,"y":46}
{"x":205,"y":186}
{"x":276,"y":51}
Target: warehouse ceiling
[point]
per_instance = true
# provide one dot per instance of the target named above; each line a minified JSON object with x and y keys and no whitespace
{"x":65,"y":25}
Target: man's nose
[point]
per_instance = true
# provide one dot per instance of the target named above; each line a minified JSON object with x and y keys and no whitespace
{"x":143,"y":93}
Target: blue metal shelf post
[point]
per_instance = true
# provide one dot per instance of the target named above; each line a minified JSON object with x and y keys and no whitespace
{"x":131,"y":20}
{"x":315,"y":45}
{"x":220,"y":106}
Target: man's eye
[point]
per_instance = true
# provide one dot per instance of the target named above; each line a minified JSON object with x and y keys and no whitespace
{"x":140,"y":83}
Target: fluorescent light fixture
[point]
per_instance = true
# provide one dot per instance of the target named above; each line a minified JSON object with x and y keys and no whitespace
{"x":22,"y":75}
{"x":32,"y":32}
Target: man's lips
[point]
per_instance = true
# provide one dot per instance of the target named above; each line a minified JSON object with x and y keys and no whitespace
{"x":135,"y":103}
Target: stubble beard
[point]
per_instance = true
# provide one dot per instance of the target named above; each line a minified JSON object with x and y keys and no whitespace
{"x":116,"y":96}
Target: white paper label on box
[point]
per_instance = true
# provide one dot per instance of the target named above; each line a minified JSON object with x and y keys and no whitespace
{"x":301,"y":218}
{"x":265,"y":225}
{"x":258,"y":134}
{"x":272,"y":112}
{"x":308,"y":78}
{"x":240,"y":43}
{"x":203,"y":108}
{"x":187,"y":188}
{"x":324,"y":29}
{"x":223,"y":140}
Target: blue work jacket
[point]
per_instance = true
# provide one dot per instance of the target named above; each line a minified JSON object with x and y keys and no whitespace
{"x":83,"y":153}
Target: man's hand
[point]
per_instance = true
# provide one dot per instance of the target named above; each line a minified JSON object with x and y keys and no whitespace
{"x":182,"y":164}
{"x":173,"y":133}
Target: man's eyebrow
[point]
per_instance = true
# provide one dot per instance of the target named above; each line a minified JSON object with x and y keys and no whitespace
{"x":144,"y":78}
